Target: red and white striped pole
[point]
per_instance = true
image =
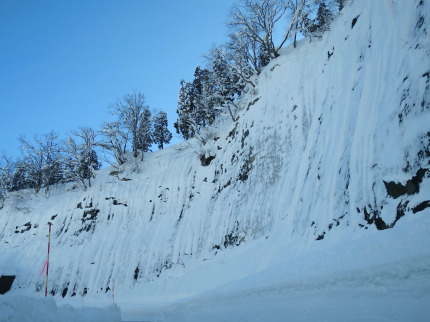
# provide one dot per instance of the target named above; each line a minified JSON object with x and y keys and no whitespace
{"x":47,"y":261}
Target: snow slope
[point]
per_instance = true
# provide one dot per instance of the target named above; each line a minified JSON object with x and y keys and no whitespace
{"x":318,"y":194}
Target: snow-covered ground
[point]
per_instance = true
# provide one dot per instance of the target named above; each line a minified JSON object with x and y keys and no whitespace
{"x":315,"y":206}
{"x":21,"y":308}
{"x":377,"y":276}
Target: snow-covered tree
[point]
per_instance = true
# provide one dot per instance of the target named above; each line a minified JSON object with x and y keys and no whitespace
{"x":130,"y":112}
{"x":20,"y":177}
{"x":114,"y":139}
{"x":324,"y":17}
{"x":226,"y":80}
{"x":185,"y":124}
{"x":254,"y":22}
{"x":7,"y":170}
{"x":161,"y":134}
{"x":204,"y":90}
{"x":43,"y":160}
{"x":144,"y":132}
{"x":321,"y":23}
{"x":81,"y":159}
{"x":197,"y":104}
{"x":298,"y":11}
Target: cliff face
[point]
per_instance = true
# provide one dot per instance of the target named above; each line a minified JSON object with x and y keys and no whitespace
{"x":335,"y":139}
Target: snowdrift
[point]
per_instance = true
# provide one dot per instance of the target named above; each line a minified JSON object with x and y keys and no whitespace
{"x":30,"y":309}
{"x":329,"y":154}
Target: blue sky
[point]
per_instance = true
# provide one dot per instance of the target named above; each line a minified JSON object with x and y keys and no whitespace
{"x":62,"y":62}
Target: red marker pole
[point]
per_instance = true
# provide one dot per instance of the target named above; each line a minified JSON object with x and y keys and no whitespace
{"x":47,"y":262}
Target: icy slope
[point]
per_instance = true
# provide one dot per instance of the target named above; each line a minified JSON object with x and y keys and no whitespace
{"x":335,"y":142}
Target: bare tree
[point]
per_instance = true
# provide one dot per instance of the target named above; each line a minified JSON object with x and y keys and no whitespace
{"x":131,"y":113}
{"x":42,"y":158}
{"x":81,"y":158}
{"x":115,"y":141}
{"x":255,"y":22}
{"x":298,"y":10}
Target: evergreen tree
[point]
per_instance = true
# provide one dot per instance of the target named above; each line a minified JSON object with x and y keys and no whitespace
{"x":161,"y":133}
{"x":228,"y":84}
{"x":324,"y":17}
{"x":20,"y":177}
{"x":185,"y":124}
{"x":89,"y":162}
{"x":263,"y":57}
{"x":204,"y":90}
{"x":316,"y":27}
{"x":197,"y":104}
{"x":144,"y":132}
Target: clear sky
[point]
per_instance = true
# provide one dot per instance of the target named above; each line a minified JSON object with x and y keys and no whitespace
{"x":62,"y":62}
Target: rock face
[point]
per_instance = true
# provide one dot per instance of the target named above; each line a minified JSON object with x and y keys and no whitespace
{"x":6,"y":282}
{"x":325,"y":143}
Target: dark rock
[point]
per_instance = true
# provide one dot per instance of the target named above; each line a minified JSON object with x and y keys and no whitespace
{"x":205,"y":161}
{"x":354,"y":21}
{"x":423,"y":205}
{"x":411,"y":187}
{"x":6,"y":282}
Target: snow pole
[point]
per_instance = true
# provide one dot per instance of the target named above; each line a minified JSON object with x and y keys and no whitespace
{"x":47,"y":261}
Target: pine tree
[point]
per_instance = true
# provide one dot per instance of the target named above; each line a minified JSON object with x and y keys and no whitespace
{"x":228,"y":84}
{"x":263,"y":57}
{"x":144,"y":132}
{"x":20,"y":177}
{"x":89,"y":162}
{"x":324,"y":17}
{"x":185,"y":124}
{"x":316,"y":27}
{"x":161,"y":134}
{"x":204,"y":113}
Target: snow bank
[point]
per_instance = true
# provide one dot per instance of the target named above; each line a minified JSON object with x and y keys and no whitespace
{"x":380,"y":276}
{"x":18,"y":308}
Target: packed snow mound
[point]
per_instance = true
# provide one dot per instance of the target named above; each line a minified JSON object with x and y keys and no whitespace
{"x":31,"y":309}
{"x":333,"y":144}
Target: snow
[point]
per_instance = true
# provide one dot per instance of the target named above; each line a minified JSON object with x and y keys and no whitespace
{"x":381,"y":277}
{"x":274,"y":228}
{"x":21,"y":308}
